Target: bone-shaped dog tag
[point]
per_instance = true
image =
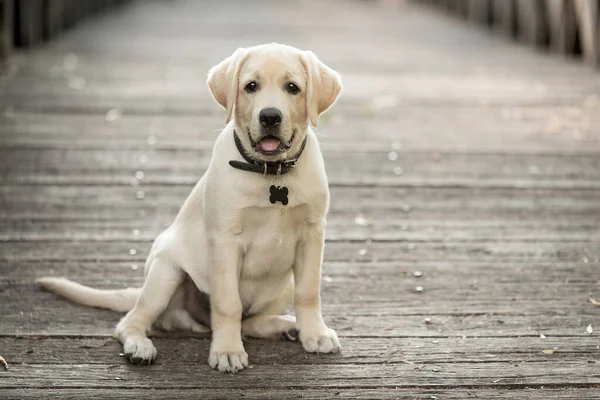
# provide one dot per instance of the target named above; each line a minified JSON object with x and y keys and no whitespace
{"x":278,"y":193}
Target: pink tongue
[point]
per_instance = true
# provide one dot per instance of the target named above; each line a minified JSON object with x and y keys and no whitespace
{"x":269,"y":144}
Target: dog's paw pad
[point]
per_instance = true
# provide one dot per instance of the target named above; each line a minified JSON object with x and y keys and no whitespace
{"x":323,"y":342}
{"x":291,"y":335}
{"x":228,"y":361}
{"x":139,"y":351}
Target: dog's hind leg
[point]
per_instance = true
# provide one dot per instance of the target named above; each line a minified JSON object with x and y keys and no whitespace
{"x":270,"y":324}
{"x":271,"y":327}
{"x":184,"y":321}
{"x":161,"y":282}
{"x":179,"y":319}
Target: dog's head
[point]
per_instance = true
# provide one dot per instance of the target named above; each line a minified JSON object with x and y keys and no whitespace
{"x":274,"y":91}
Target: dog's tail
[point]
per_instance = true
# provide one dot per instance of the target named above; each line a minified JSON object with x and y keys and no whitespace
{"x":120,"y":300}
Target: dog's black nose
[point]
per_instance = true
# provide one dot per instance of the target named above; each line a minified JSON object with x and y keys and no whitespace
{"x":269,"y":117}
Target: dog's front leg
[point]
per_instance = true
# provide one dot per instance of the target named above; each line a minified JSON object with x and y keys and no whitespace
{"x":227,"y":350}
{"x":315,"y":336}
{"x":161,"y":282}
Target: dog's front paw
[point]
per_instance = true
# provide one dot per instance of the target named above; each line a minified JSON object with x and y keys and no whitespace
{"x":139,"y":350}
{"x":323,"y":341}
{"x":228,"y":361}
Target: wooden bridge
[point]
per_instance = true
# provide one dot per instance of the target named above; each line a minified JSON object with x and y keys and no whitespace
{"x":463,"y":243}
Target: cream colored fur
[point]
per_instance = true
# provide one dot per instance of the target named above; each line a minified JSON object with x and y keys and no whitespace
{"x":249,"y":255}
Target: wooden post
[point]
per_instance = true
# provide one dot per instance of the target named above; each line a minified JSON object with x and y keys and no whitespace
{"x":29,"y":15}
{"x":480,"y":11}
{"x":69,"y":17}
{"x":587,"y":15}
{"x":53,"y":14}
{"x":531,"y":22}
{"x":6,"y":28}
{"x":562,"y":25}
{"x":504,"y":12}
{"x":463,"y":8}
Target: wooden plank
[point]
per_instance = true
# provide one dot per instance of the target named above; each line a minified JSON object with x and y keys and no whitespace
{"x":118,"y":273}
{"x":398,"y":274}
{"x":464,"y":303}
{"x":340,"y":227}
{"x":304,"y":376}
{"x":191,"y":97}
{"x":375,"y":319}
{"x":516,"y":130}
{"x":54,"y":167}
{"x":335,"y":251}
{"x":356,"y":296}
{"x":176,"y":350}
{"x":94,"y":213}
{"x":565,"y":393}
{"x":151,"y":67}
{"x":188,"y":85}
{"x":110,"y":272}
{"x":54,"y":203}
{"x":588,"y":17}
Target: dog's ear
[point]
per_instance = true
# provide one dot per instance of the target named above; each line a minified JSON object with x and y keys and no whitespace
{"x":223,"y":80}
{"x":322,"y":88}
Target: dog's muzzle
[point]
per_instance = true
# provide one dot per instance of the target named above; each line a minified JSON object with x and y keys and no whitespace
{"x":271,"y":144}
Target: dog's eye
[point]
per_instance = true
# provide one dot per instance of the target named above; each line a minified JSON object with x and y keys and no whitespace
{"x":292,"y":88}
{"x":251,"y":87}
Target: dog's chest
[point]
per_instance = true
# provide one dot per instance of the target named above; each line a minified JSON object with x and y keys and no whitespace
{"x":269,"y":236}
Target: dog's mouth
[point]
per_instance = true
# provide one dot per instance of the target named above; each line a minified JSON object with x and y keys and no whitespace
{"x":271,"y":145}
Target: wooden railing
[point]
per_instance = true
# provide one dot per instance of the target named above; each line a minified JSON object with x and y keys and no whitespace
{"x":570,"y":27}
{"x":25,"y":23}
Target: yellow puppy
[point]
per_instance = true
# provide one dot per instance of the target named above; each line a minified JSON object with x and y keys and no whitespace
{"x":249,"y":239}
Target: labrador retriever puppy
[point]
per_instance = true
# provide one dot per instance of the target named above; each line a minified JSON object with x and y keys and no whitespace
{"x":248,"y":241}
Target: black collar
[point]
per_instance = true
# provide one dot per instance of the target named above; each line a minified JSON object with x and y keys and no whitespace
{"x":261,"y":167}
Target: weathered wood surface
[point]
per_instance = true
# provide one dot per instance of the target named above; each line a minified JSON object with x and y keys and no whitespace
{"x":307,"y":393}
{"x":97,"y":213}
{"x":450,"y":153}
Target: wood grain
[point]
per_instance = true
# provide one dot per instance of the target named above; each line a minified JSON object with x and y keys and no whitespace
{"x":458,"y":163}
{"x":352,"y":169}
{"x":568,"y":393}
{"x":300,"y":376}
